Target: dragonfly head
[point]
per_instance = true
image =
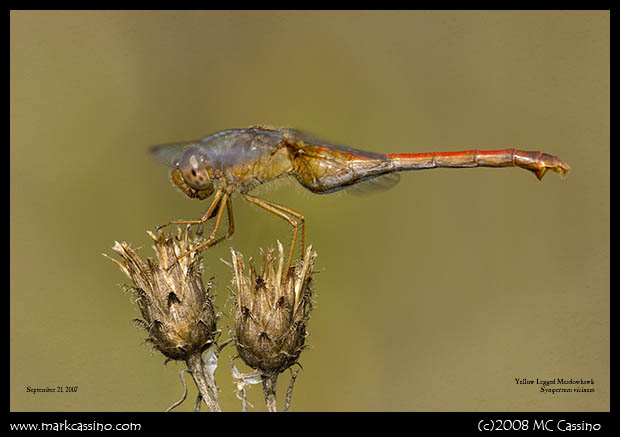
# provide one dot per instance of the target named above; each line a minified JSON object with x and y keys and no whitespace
{"x":195,"y":171}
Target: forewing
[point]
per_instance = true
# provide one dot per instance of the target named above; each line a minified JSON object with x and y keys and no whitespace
{"x":170,"y":154}
{"x":374,"y":185}
{"x":310,"y":139}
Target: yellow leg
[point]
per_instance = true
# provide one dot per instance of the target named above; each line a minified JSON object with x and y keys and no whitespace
{"x":225,"y":204}
{"x":282,"y":212}
{"x":216,"y":200}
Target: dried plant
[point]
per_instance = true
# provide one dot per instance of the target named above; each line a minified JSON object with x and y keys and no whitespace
{"x":176,"y":305}
{"x":272,"y":308}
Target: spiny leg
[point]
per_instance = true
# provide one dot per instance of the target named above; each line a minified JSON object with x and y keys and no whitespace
{"x":212,"y":240}
{"x":299,"y":217}
{"x":207,"y":215}
{"x":229,"y":232}
{"x":274,"y":210}
{"x":281,"y":211}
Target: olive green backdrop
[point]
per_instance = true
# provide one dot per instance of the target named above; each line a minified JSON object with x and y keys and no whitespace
{"x":434,"y":295}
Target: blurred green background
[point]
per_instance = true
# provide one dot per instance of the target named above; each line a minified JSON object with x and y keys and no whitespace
{"x":434,"y":295}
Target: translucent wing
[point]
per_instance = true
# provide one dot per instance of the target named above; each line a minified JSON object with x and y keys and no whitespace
{"x":223,"y":149}
{"x":374,"y":185}
{"x":170,"y":154}
{"x":313,"y":140}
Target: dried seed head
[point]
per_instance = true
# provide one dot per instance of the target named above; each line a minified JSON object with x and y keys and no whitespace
{"x":175,"y":304}
{"x":272,"y":309}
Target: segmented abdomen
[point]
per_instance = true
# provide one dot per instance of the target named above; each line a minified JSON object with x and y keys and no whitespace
{"x":536,"y":162}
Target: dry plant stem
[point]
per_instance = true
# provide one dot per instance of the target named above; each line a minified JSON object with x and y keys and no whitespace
{"x":289,"y":391}
{"x":205,"y":387}
{"x":269,"y":389}
{"x":244,"y":401}
{"x":180,"y":401}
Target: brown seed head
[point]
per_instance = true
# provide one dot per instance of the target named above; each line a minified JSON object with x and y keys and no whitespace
{"x":175,"y":304}
{"x":271,"y":310}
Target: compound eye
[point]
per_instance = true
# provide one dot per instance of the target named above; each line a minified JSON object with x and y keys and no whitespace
{"x":195,"y":175}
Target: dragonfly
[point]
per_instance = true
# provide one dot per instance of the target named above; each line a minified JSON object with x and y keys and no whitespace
{"x":239,"y":160}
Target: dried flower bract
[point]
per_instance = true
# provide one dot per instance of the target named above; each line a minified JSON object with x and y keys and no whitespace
{"x":175,"y":304}
{"x":272,"y":309}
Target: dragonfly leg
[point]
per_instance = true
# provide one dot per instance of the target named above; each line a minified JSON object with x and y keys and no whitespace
{"x":283,"y":212}
{"x":298,"y":216}
{"x":212,"y":240}
{"x":214,"y":204}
